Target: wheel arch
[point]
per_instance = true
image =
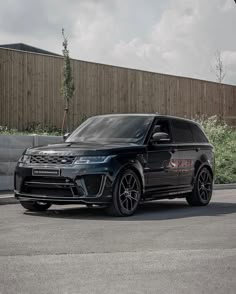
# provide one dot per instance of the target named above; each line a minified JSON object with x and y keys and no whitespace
{"x":137,"y":169}
{"x":199,"y":166}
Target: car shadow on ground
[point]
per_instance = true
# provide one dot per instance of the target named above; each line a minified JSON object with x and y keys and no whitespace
{"x":148,"y":211}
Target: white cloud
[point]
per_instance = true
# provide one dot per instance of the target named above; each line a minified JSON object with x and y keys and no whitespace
{"x":172,"y":36}
{"x":184,"y":40}
{"x":227,"y":5}
{"x":229,"y":59}
{"x":93,"y":32}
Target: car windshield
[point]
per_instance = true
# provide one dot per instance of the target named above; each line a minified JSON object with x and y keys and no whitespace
{"x":112,"y":129}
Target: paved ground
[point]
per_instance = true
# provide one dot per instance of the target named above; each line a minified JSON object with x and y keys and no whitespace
{"x":167,"y":247}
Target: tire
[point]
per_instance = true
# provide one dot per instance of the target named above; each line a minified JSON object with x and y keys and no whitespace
{"x":126,"y":194}
{"x":202,"y":191}
{"x":35,"y":205}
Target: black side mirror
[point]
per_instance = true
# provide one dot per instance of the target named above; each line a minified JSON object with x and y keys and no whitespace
{"x":66,"y":136}
{"x":160,"y":137}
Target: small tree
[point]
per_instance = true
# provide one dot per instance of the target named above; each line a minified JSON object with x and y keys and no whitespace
{"x":220,"y":72}
{"x":219,"y":67}
{"x":68,"y":86}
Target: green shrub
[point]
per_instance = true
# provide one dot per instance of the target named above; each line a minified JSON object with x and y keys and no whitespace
{"x":37,"y":128}
{"x":32,"y":128}
{"x":223,"y":138}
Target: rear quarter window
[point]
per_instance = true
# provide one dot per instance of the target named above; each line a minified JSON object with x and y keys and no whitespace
{"x":181,"y":132}
{"x":198,"y":134}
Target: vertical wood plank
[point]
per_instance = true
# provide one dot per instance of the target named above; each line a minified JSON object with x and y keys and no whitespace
{"x":30,"y":91}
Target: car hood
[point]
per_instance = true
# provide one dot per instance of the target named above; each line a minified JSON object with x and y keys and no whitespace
{"x":85,"y":149}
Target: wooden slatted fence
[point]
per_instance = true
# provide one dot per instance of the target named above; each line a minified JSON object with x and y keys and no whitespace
{"x":30,"y":92}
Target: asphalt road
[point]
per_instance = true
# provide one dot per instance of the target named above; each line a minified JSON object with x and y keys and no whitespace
{"x":167,"y":247}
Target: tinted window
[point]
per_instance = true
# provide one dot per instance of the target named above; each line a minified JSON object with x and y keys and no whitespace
{"x":181,"y":132}
{"x":198,"y":134}
{"x":112,"y":129}
{"x":162,"y":126}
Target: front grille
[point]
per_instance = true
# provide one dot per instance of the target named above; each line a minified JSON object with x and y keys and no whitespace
{"x":51,"y":159}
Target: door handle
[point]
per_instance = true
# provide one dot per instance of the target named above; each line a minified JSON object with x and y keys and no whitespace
{"x":173,"y":150}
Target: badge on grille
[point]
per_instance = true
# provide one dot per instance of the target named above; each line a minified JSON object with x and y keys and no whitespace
{"x":63,"y":161}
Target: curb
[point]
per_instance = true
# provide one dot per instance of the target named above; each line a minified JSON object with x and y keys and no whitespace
{"x":224,"y":186}
{"x":7,"y":197}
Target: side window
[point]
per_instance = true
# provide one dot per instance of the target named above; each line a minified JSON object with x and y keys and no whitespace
{"x":198,"y":134}
{"x":181,"y":132}
{"x":162,"y":126}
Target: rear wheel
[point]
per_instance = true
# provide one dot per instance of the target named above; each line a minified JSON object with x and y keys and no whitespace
{"x":126,"y":194}
{"x":35,"y":205}
{"x":202,"y":191}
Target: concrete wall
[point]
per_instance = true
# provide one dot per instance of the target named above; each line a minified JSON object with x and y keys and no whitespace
{"x":11,"y":148}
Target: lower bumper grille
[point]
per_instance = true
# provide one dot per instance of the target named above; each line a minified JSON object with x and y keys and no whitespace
{"x":51,"y":192}
{"x":84,"y":186}
{"x":53,"y":187}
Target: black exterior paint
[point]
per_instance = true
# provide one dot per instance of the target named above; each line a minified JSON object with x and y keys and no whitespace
{"x":165,"y":170}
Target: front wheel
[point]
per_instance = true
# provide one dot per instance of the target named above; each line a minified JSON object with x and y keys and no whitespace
{"x":126,"y":194}
{"x":35,"y":205}
{"x":202,"y":191}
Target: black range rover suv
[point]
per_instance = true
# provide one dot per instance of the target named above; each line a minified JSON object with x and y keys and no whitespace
{"x":118,"y":161}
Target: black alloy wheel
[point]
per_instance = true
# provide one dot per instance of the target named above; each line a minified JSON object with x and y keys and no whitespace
{"x":35,"y":205}
{"x":126,"y":194}
{"x":202,"y":192}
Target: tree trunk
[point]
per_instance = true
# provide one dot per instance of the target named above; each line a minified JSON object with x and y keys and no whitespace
{"x":65,"y":117}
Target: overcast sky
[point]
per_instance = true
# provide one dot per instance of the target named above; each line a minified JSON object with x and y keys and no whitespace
{"x":176,"y":37}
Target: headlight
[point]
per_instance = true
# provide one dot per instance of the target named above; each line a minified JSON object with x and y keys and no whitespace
{"x":92,"y":159}
{"x":24,"y":159}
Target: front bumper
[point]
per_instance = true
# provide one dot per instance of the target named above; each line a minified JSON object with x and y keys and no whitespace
{"x":75,"y":184}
